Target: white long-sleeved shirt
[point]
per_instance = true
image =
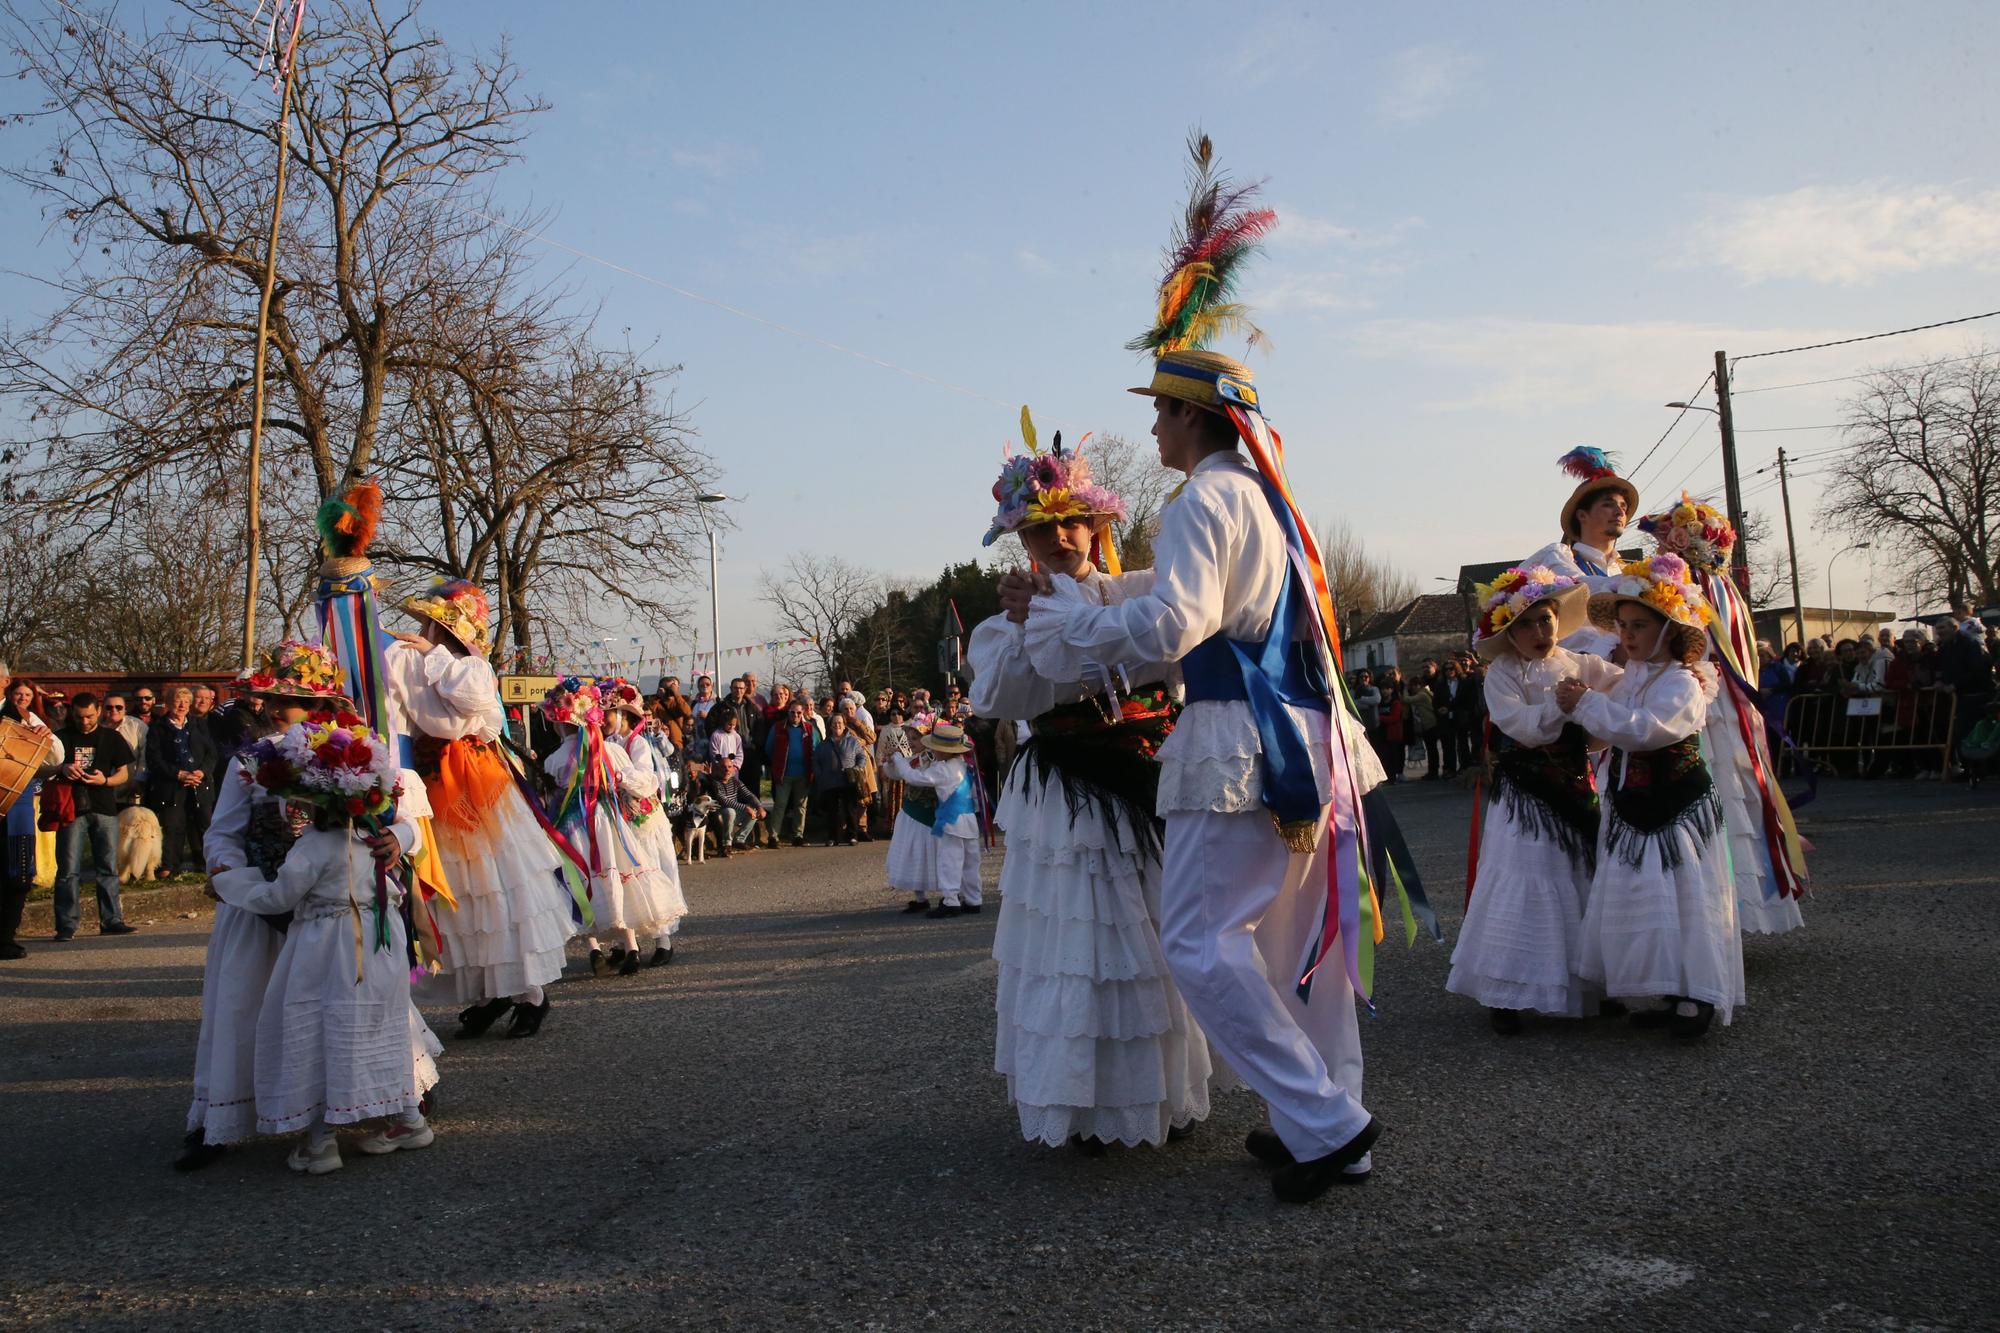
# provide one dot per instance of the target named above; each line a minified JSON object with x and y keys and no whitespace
{"x":1649,"y":707}
{"x":945,"y":773}
{"x":1005,"y":683}
{"x":1521,"y":693}
{"x":1219,"y":565}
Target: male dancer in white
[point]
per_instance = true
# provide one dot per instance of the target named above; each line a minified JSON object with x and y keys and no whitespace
{"x":1595,"y":516}
{"x":1239,"y":909}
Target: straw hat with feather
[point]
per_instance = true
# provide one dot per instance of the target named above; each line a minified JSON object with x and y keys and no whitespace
{"x":1519,"y":590}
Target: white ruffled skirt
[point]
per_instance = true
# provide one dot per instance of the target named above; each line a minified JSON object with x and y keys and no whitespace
{"x":1655,"y":931}
{"x":1093,"y":1038}
{"x":656,"y":834}
{"x":1760,"y":909}
{"x":1524,"y":924}
{"x":242,"y":951}
{"x":627,"y":890}
{"x":913,"y":857}
{"x":513,"y":916}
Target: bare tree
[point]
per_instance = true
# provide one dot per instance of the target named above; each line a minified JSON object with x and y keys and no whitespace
{"x":160,"y":175}
{"x":820,"y":598}
{"x":1360,"y":583}
{"x":1921,"y":473}
{"x":1133,"y":470}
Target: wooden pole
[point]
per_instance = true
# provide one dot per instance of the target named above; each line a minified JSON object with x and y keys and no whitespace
{"x":254,"y":525}
{"x":1732,"y":488}
{"x":1792,"y":548}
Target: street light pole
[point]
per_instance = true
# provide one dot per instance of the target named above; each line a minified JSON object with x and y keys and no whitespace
{"x":714,"y":586}
{"x":1830,"y":604}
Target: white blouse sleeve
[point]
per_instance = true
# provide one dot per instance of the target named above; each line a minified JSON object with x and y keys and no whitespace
{"x":1670,"y":709}
{"x":222,"y":845}
{"x":1005,"y":683}
{"x":936,"y":775}
{"x":1525,"y":713}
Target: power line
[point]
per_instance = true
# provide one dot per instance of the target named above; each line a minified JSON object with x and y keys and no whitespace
{"x":1864,"y":375}
{"x":1679,"y":449}
{"x":1866,"y":337}
{"x":1700,"y":463}
{"x":1633,"y":475}
{"x":1770,"y":430}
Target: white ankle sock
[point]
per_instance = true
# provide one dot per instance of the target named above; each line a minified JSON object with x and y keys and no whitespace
{"x":532,"y":997}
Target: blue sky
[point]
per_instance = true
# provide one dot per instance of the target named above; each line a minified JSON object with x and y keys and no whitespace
{"x":1506,"y":230}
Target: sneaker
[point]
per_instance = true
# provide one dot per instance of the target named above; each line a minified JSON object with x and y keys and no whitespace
{"x":118,"y":928}
{"x":316,"y":1163}
{"x":399,"y":1137}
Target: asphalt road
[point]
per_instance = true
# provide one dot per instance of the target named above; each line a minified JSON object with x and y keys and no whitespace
{"x":797,"y":1125}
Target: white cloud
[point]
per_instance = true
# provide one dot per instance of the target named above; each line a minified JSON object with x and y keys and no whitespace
{"x":1296,"y":290}
{"x":1851,"y":235}
{"x":1296,"y":228}
{"x":715,"y":160}
{"x":1423,"y":81}
{"x":814,"y":256}
{"x":1030,"y":262}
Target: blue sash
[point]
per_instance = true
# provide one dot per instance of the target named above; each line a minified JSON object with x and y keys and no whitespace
{"x":954,"y":805}
{"x":1268,"y":676}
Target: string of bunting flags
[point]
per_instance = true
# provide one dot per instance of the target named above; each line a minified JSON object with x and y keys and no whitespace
{"x":558,"y":663}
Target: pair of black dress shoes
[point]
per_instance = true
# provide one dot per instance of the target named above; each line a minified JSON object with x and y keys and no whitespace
{"x":1301,"y":1182}
{"x":527,"y":1022}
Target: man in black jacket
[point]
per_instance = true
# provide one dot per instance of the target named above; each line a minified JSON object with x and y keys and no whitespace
{"x":180,"y":762}
{"x":1965,"y":668}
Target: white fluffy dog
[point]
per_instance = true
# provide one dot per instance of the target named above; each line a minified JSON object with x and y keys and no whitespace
{"x":138,"y":844}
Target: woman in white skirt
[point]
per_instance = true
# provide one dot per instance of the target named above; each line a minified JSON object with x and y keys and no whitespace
{"x":595,"y":778}
{"x":504,"y":941}
{"x":1766,"y":855}
{"x":913,"y":852}
{"x":1538,"y":834}
{"x":1661,"y":921}
{"x":333,"y":1032}
{"x":1094,"y":1040}
{"x":626,"y":725}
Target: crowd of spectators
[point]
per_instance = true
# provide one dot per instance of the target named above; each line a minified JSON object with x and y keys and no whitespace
{"x":1434,"y":717}
{"x":1887,"y":704}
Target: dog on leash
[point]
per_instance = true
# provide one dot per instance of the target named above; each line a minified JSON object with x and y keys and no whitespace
{"x":138,"y":844}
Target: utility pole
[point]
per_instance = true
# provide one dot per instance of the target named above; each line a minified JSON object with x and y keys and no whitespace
{"x":1732,"y":488}
{"x":1792,"y":550}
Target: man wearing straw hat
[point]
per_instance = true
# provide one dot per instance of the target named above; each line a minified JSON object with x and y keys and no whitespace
{"x":1593,"y":518}
{"x":1263,"y":753}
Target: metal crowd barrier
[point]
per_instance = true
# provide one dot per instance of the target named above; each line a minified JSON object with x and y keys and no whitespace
{"x":1824,"y":725}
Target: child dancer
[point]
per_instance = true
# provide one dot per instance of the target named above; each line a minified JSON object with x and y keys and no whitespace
{"x":1766,"y":854}
{"x":1538,"y":845}
{"x":628,"y":894}
{"x":954,"y":827}
{"x":1661,"y":919}
{"x":626,"y":724}
{"x":333,"y":1034}
{"x":913,"y":853}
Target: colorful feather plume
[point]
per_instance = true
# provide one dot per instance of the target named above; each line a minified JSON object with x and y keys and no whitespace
{"x":1028,"y":438}
{"x":348,"y":521}
{"x":1587,"y":464}
{"x":1219,"y":232}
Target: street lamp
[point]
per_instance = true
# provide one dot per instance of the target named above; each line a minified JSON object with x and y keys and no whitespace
{"x":1858,"y":546}
{"x":1695,"y":407}
{"x":714,"y":595}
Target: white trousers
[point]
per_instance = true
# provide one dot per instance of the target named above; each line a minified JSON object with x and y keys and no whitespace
{"x":958,"y":870}
{"x":1236,"y":911}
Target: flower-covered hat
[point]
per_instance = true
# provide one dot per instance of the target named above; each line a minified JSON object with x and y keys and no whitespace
{"x":300,"y":671}
{"x":1514,"y":593}
{"x":337,"y":764}
{"x":617,"y":694}
{"x":1051,"y":487}
{"x":460,"y":607}
{"x":1666,"y":585}
{"x":1698,"y":533}
{"x":1595,"y":473}
{"x":574,"y":702}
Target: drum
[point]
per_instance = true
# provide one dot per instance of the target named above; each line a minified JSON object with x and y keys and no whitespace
{"x":22,"y":754}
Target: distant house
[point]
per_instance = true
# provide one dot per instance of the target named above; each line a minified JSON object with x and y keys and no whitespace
{"x":1427,"y":626}
{"x":1778,"y":625}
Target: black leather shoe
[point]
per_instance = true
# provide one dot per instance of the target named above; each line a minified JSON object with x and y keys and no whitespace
{"x":1506,"y":1022}
{"x":944,"y":909}
{"x":630,"y":967}
{"x":1302,"y":1182}
{"x":970,"y":909}
{"x":1175,"y":1133}
{"x":197,"y":1154}
{"x":661,"y":957}
{"x":1610,"y":1008}
{"x":1264,"y":1144}
{"x":62,"y":937}
{"x":1651,"y":1018}
{"x":598,"y":966}
{"x":1689,"y":1026}
{"x":798,"y":842}
{"x":474,"y":1021}
{"x":616,"y":958}
{"x":427,"y":1104}
{"x":10,"y":951}
{"x":118,"y":928}
{"x":528,"y":1019}
{"x":1090,"y":1147}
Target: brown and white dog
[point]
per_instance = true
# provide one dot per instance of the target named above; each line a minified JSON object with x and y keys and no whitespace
{"x":138,"y":844}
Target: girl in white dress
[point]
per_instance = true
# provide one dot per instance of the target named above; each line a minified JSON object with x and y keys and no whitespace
{"x":626,"y":725}
{"x":1661,"y":919}
{"x":1093,"y":1038}
{"x":1538,"y":837}
{"x":1766,"y":855}
{"x":333,"y":1032}
{"x":628,"y":894}
{"x":504,"y":940}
